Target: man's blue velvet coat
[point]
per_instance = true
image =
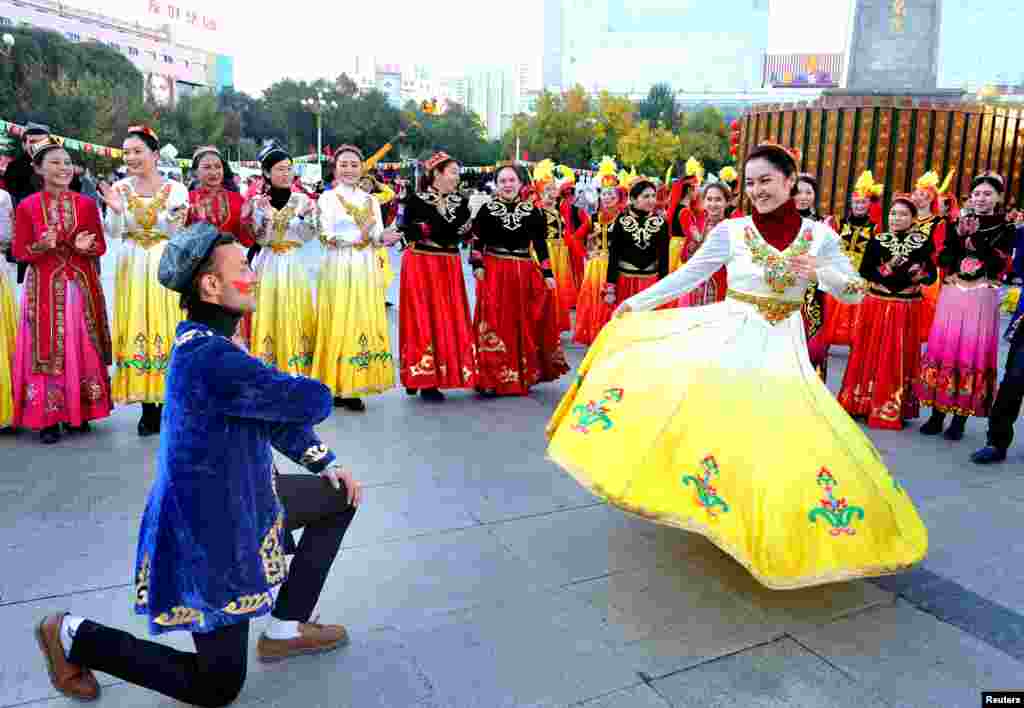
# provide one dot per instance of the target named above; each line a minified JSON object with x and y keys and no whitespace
{"x":211,"y":542}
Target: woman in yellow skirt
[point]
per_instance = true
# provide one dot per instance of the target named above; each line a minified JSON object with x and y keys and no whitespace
{"x":352,"y":355}
{"x":592,"y":312}
{"x":281,"y":221}
{"x":713,"y":419}
{"x":8,"y":313}
{"x":143,"y":210}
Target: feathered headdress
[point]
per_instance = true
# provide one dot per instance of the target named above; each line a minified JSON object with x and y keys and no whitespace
{"x":606,"y":172}
{"x":543,"y":174}
{"x":566,"y":179}
{"x":694,"y":171}
{"x":728,"y":174}
{"x":866,"y":187}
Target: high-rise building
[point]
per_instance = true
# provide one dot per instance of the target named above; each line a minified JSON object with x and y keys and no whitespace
{"x":625,"y":46}
{"x":170,"y":69}
{"x":454,"y":89}
{"x":492,"y":96}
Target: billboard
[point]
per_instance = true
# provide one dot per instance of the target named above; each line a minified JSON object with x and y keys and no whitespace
{"x":389,"y":82}
{"x":802,"y":70}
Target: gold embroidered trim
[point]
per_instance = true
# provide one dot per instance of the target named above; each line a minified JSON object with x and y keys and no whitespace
{"x":188,"y":336}
{"x":272,"y":553}
{"x":446,"y":204}
{"x":313,"y":455}
{"x":772,"y":309}
{"x":179,"y":616}
{"x":146,"y":239}
{"x":247,"y":604}
{"x":142,"y":583}
{"x":642,"y":235}
{"x":511,"y":220}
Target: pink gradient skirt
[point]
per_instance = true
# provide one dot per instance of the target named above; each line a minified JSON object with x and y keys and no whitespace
{"x":80,"y":394}
{"x":959,"y":368}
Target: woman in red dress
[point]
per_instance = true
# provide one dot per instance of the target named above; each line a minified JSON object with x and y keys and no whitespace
{"x":576,"y":223}
{"x":435,"y":330}
{"x":213,"y":202}
{"x":715,"y":199}
{"x":886,"y":363}
{"x":684,"y":211}
{"x":592,"y":311}
{"x":63,"y":347}
{"x":855,"y":230}
{"x":637,"y":246}
{"x":517,"y":338}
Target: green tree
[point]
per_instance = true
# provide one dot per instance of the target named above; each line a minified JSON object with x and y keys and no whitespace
{"x":659,"y":107}
{"x":649,"y":150}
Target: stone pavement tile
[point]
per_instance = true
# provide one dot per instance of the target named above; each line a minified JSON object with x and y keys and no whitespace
{"x":402,"y":584}
{"x":910,"y":658}
{"x":516,"y":487}
{"x":778,"y":675}
{"x":23,"y":674}
{"x":642,"y":696}
{"x":660,"y":620}
{"x":393,"y":512}
{"x":536,"y":649}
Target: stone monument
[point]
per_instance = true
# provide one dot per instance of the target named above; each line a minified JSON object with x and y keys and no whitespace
{"x":894,"y":46}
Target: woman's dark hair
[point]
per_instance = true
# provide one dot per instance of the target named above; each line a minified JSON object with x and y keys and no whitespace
{"x":721,"y":187}
{"x":427,"y":179}
{"x":37,"y":159}
{"x":640,"y":186}
{"x":228,"y":182}
{"x":991,"y":180}
{"x":192,"y":298}
{"x":150,"y":142}
{"x":778,"y":158}
{"x":514,"y":168}
{"x":905,"y":201}
{"x":808,"y":179}
{"x":347,"y":148}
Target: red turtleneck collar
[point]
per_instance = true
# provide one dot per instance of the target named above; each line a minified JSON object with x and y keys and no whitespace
{"x":780,"y":227}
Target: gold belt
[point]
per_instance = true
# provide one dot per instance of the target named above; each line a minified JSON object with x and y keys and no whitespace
{"x":341,"y":245}
{"x":637,"y":274}
{"x":772,"y":309}
{"x":284,"y":246}
{"x":146,"y":239}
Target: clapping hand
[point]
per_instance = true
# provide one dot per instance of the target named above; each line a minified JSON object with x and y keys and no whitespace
{"x":49,"y":240}
{"x":112,"y":198}
{"x":84,"y":241}
{"x":804,"y":266}
{"x":390,"y":236}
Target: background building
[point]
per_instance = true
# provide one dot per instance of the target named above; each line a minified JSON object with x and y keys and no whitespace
{"x":170,"y":69}
{"x":625,"y":46}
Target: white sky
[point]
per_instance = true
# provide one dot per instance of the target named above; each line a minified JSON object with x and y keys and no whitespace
{"x":269,"y":42}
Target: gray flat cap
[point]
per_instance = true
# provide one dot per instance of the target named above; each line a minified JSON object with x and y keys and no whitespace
{"x":183,"y":254}
{"x":36,"y":129}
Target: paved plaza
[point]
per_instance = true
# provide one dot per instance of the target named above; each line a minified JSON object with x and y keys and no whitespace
{"x":476,"y":574}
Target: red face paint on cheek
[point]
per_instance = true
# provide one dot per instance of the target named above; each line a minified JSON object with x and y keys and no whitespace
{"x":245,"y":287}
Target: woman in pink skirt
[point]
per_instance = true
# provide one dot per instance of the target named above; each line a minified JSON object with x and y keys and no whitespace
{"x":63,"y":348}
{"x":958,"y":374}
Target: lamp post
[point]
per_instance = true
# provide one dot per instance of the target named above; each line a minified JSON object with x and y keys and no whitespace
{"x":8,"y":47}
{"x":316,"y":106}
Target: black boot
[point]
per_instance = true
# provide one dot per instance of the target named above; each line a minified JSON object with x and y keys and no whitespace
{"x":956,"y":428}
{"x":81,"y":429}
{"x":353,"y":404}
{"x":149,"y":423}
{"x":432,"y":395}
{"x":934,"y":424}
{"x":411,"y":391}
{"x":48,"y":436}
{"x":988,"y":455}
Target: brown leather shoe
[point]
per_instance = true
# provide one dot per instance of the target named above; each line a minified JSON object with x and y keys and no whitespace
{"x":70,"y":679}
{"x":313,"y":639}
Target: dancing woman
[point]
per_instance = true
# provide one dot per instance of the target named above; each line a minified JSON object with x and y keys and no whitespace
{"x":927,"y":198}
{"x":213,"y":202}
{"x":658,"y":427}
{"x":517,"y":339}
{"x":958,"y":375}
{"x":352,"y":354}
{"x":561,"y":247}
{"x":886,"y":363}
{"x":281,"y":221}
{"x":592,"y":311}
{"x":715,"y":198}
{"x":63,"y":349}
{"x":143,"y":211}
{"x":435,"y":335}
{"x":637,"y":246}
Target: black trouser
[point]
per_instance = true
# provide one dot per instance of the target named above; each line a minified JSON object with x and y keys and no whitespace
{"x":1006,"y":408}
{"x":213,"y":676}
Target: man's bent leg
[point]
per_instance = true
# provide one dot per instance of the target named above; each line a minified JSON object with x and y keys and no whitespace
{"x":212,"y":677}
{"x":1006,"y":408}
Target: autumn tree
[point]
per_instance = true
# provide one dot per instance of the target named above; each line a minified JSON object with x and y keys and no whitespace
{"x":659,"y":107}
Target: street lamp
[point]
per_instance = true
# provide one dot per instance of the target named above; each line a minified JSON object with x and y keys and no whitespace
{"x":316,"y":106}
{"x":8,"y":40}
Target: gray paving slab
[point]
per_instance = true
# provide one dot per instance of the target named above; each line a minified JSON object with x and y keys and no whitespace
{"x":778,"y":675}
{"x":642,"y":696}
{"x":911,"y":659}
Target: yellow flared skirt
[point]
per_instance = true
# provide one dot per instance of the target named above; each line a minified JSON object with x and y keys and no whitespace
{"x":352,"y":355}
{"x":284,"y":324}
{"x":146,"y":315}
{"x":675,"y":253}
{"x":8,"y":334}
{"x":387,"y":273}
{"x":712,"y":420}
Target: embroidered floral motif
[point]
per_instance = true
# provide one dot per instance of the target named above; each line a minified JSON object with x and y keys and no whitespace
{"x":31,"y":393}
{"x":642,"y":235}
{"x":596,"y":412}
{"x":513,"y":219}
{"x":707,"y":494}
{"x":489,"y":339}
{"x":446,"y":204}
{"x":776,"y":264}
{"x":902,"y":247}
{"x":507,"y":375}
{"x":362,"y":215}
{"x":272,"y":553}
{"x":144,"y":363}
{"x":247,"y":604}
{"x":179,"y":616}
{"x":855,"y":240}
{"x":142,"y":583}
{"x":54,"y":398}
{"x":467,"y":374}
{"x":836,"y":511}
{"x":92,"y":390}
{"x":364,"y":357}
{"x":856,"y":286}
{"x":425,"y":366}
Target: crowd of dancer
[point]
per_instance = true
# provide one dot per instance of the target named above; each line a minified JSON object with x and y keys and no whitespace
{"x":217,"y":328}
